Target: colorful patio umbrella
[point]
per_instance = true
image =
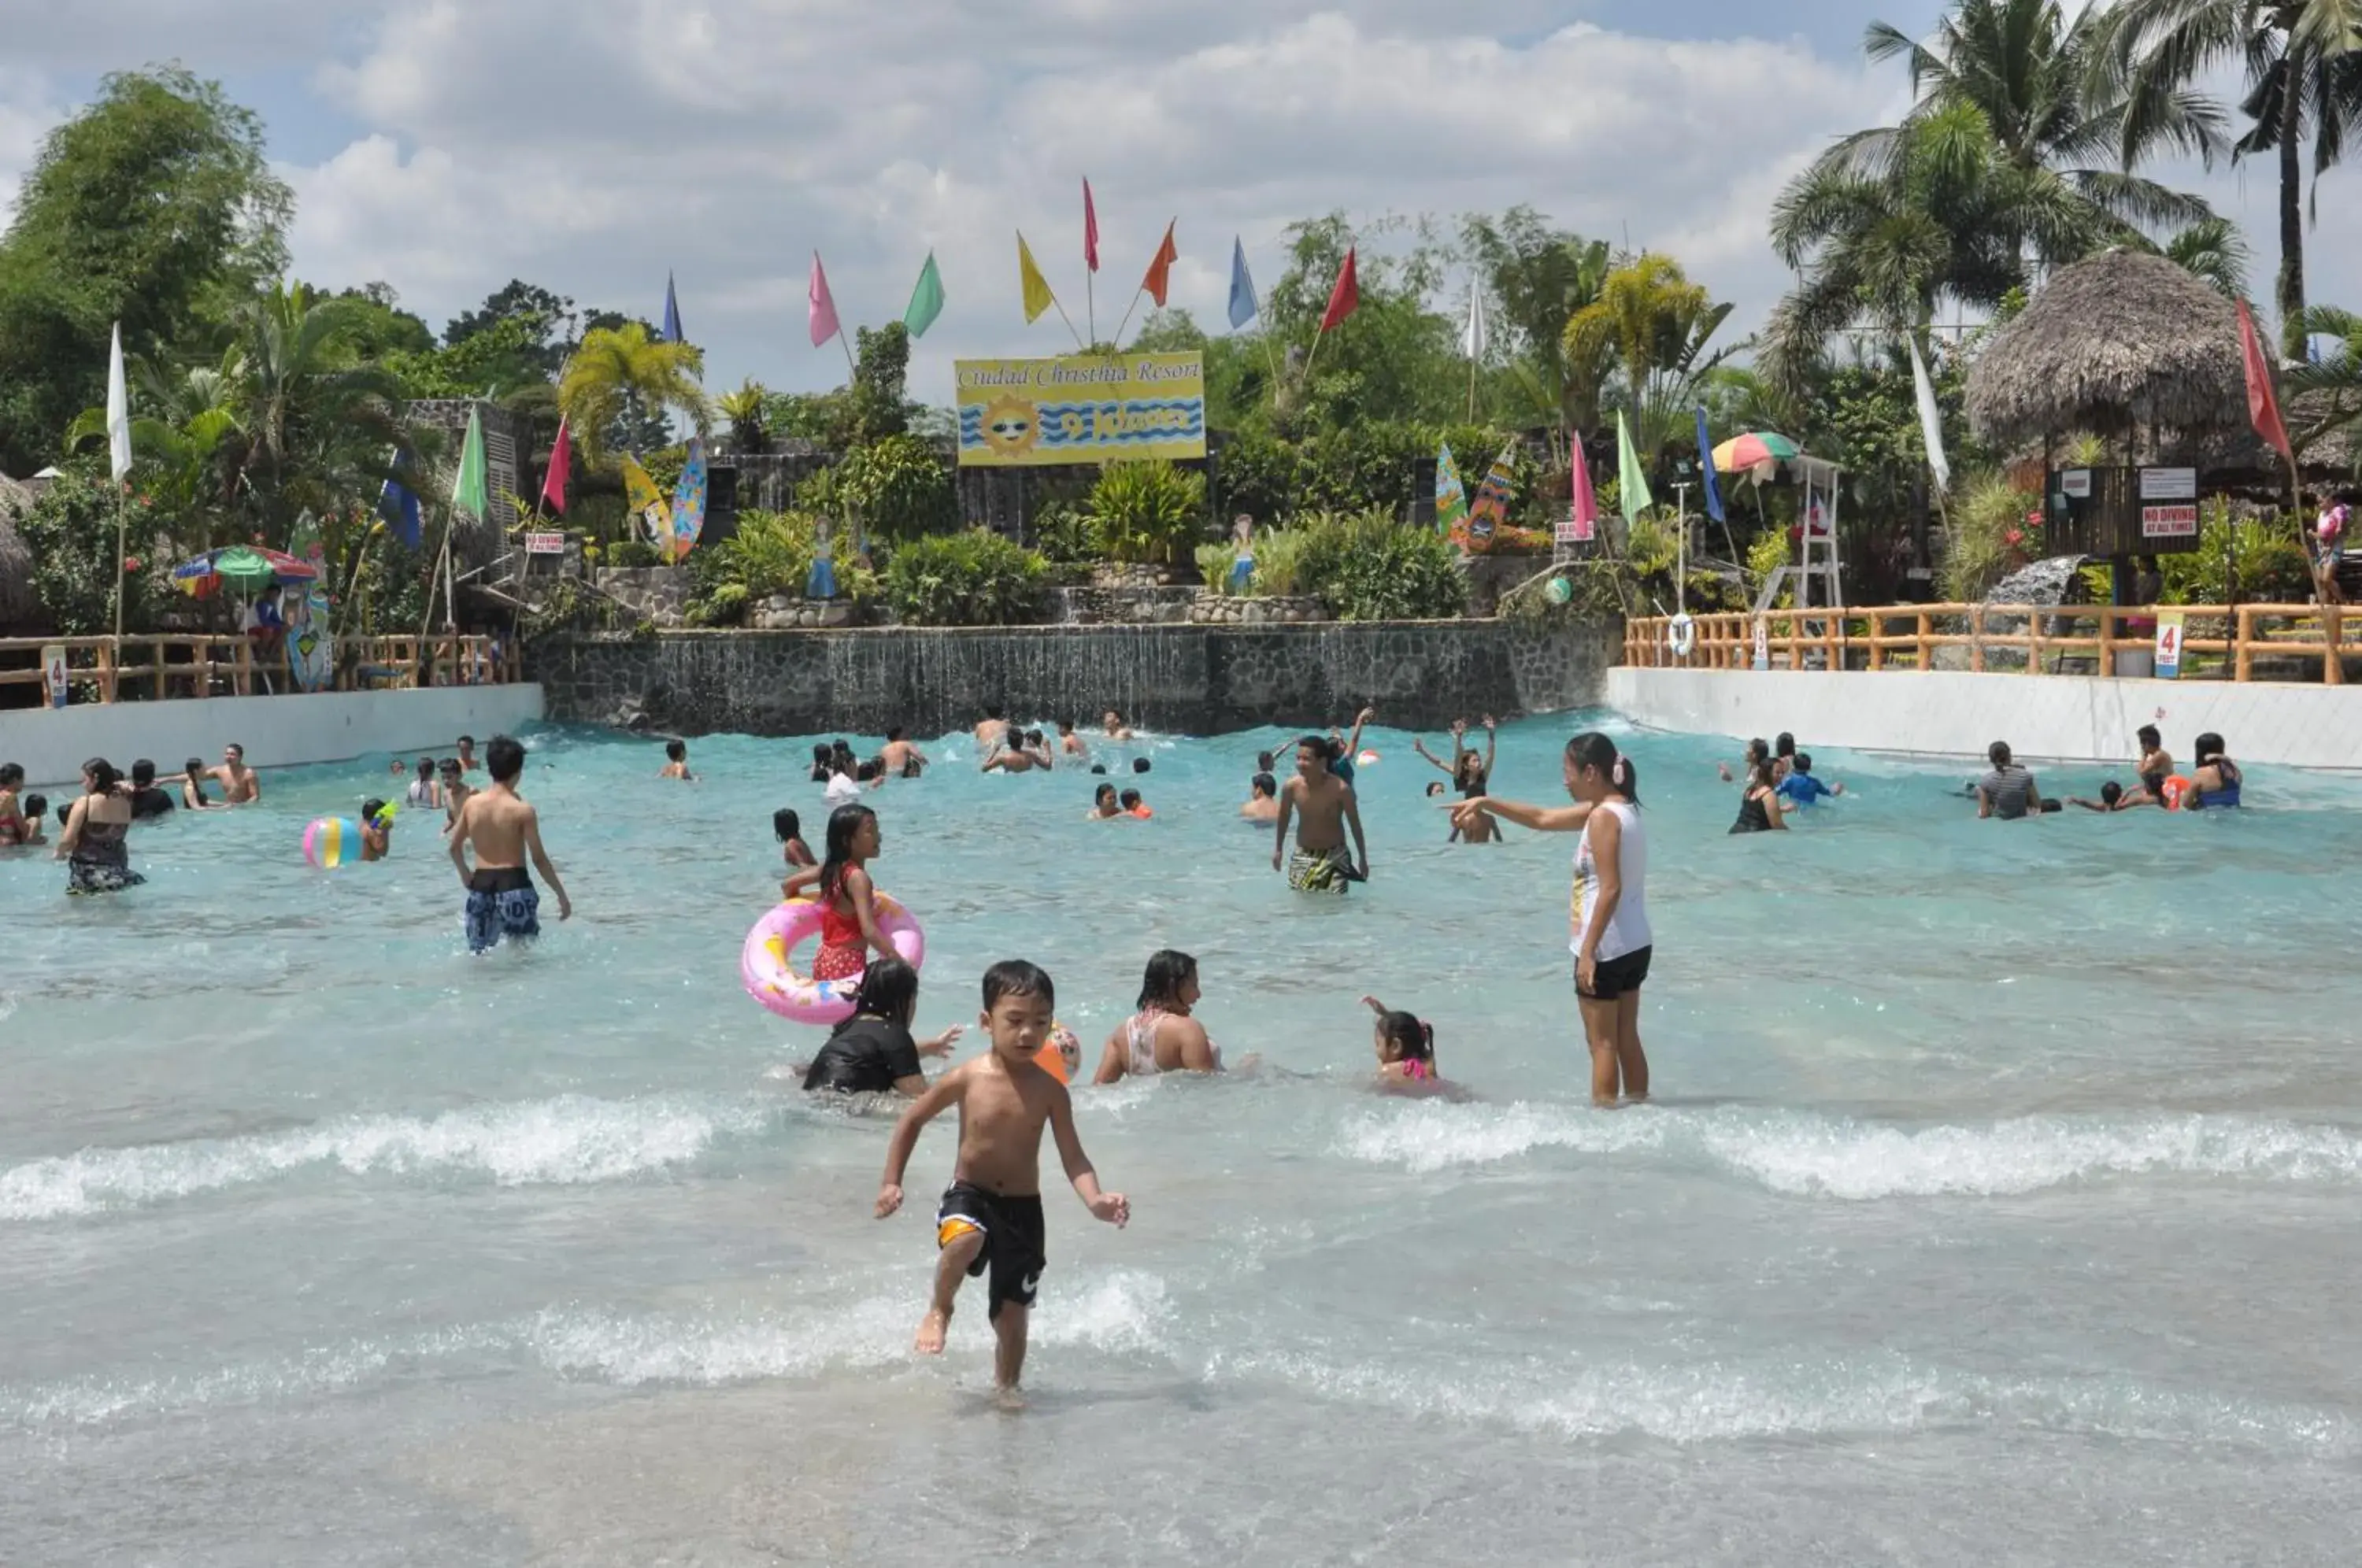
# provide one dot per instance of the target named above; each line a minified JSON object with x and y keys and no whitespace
{"x":240,"y":569}
{"x":1756,"y":453}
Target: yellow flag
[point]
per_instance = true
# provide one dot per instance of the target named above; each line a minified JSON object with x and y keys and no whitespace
{"x":644,"y":498}
{"x":1038,"y":297}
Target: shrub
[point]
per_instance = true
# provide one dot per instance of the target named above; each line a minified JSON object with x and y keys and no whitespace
{"x":1366,"y":567}
{"x":770,"y":553}
{"x":1279,"y":561}
{"x":1767,"y":555}
{"x":1061,"y":531}
{"x":1147,"y":511}
{"x":900,"y":487}
{"x":2268,"y":561}
{"x":1214,"y":563}
{"x":1989,"y":536}
{"x":70,"y":532}
{"x":630,"y":552}
{"x":974,"y":577}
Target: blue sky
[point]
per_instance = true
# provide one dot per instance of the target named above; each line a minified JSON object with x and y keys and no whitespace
{"x":445,"y":146}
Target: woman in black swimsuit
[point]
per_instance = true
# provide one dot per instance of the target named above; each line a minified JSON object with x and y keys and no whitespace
{"x":93,"y":846}
{"x":1758,"y":807}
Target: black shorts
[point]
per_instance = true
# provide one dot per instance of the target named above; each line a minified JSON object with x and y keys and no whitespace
{"x":1013,"y":1241}
{"x":1611,"y":977}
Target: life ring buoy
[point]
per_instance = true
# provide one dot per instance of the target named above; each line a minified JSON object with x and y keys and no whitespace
{"x":766,"y":969}
{"x":1684,"y":635}
{"x":2176,"y":792}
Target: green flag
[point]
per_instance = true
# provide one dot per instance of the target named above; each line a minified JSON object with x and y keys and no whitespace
{"x":1631,"y":479}
{"x":926,"y":300}
{"x":468,"y":491}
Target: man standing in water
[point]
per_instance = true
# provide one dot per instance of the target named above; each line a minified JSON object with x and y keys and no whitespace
{"x":504,"y":830}
{"x":902,"y":760}
{"x":240,"y":785}
{"x":992,"y":734}
{"x":1328,"y":808}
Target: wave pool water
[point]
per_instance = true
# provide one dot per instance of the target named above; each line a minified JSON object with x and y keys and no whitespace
{"x":1997,"y":1206}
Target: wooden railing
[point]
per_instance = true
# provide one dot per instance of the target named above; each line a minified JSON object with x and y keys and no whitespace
{"x":2251,"y":642}
{"x":166,"y":667}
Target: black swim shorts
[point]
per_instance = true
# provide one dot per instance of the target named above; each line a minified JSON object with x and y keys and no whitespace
{"x":1013,"y":1240}
{"x":1611,"y":977}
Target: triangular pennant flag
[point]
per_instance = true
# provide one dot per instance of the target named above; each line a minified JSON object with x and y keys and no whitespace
{"x":2263,"y":406}
{"x":1243,"y":305}
{"x":1346,"y":297}
{"x":467,"y":493}
{"x":672,"y":314}
{"x":1160,"y":271}
{"x":1038,"y":297}
{"x":1090,"y":230}
{"x":825,"y":325}
{"x":118,"y":409}
{"x":1631,"y":479}
{"x":1931,"y":419}
{"x":1583,"y":507}
{"x":1705,"y":468}
{"x":561,"y":467}
{"x":397,"y":505}
{"x":1473,"y":341}
{"x":926,"y":300}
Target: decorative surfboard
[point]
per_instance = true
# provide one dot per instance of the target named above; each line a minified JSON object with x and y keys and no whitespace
{"x":311,"y":647}
{"x":688,"y":502}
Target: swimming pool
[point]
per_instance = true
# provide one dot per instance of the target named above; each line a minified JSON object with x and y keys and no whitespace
{"x":1997,"y":1206}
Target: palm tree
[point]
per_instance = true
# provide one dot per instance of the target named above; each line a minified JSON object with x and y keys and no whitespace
{"x":2303,"y":65}
{"x":620,"y":369}
{"x":2214,"y":250}
{"x":310,"y":417}
{"x":1653,"y":323}
{"x":744,"y":410}
{"x":2003,"y":168}
{"x":185,"y":444}
{"x":2326,"y":393}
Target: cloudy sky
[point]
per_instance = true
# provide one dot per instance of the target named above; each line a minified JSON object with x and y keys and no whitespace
{"x":591,"y":146}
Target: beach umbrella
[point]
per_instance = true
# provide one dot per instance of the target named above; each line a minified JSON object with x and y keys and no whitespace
{"x":241,"y":570}
{"x":1756,"y":453}
{"x":285,"y":567}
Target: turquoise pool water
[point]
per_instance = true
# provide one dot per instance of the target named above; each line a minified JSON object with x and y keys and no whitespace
{"x":1998,"y":1206}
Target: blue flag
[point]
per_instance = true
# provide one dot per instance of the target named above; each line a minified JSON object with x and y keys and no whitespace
{"x":1243,"y":308}
{"x":1705,"y":461}
{"x":672,"y":314}
{"x":398,"y":506}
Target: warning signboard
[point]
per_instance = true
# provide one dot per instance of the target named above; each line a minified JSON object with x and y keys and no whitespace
{"x":2172,"y":522}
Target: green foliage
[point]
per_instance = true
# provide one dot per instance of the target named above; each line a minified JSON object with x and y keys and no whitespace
{"x":1989,"y":536}
{"x":1062,"y":532}
{"x":974,"y":577}
{"x":530,"y":317}
{"x":1769,"y":552}
{"x":70,"y":533}
{"x":1651,"y":545}
{"x":634,"y":553}
{"x":493,"y":360}
{"x":1367,"y":567}
{"x":2265,"y":557}
{"x":772,"y":552}
{"x":898,"y":487}
{"x":1147,"y":511}
{"x":882,"y":365}
{"x":1214,"y":563}
{"x":1363,"y":466}
{"x":1279,"y":562}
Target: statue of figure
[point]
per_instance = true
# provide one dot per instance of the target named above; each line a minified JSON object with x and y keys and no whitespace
{"x":821,"y":584}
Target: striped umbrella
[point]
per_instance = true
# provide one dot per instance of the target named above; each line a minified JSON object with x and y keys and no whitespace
{"x":1756,"y":453}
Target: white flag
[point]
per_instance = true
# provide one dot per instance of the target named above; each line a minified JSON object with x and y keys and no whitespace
{"x":118,"y":409}
{"x":1472,"y":342}
{"x":1931,"y":423}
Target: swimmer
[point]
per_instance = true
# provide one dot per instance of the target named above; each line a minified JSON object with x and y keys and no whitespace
{"x":1037,"y":746}
{"x":377,"y":829}
{"x":1161,"y":1036}
{"x":1329,"y":808}
{"x":872,"y":1051}
{"x":468,"y":763}
{"x":1800,"y":788}
{"x":240,"y":787}
{"x":456,"y":791}
{"x":1345,"y":752}
{"x":191,"y":780}
{"x":1263,"y":799}
{"x":1406,"y":1046}
{"x":12,"y":808}
{"x":1758,"y":750}
{"x":1134,"y":806}
{"x":1016,"y":758}
{"x":848,"y":899}
{"x":2156,"y":765}
{"x":789,"y":829}
{"x":502,"y":829}
{"x":1469,"y":773}
{"x":1103,"y":806}
{"x":990,"y":1218}
{"x":2215,"y":784}
{"x":148,"y":800}
{"x":398,"y":768}
{"x":2008,"y":791}
{"x":1112,"y":726}
{"x":1070,"y":743}
{"x":423,"y":790}
{"x":1759,"y":803}
{"x":1434,"y":790}
{"x":1141,"y":764}
{"x":902,"y":760}
{"x":1783,"y":756}
{"x":676,"y":762}
{"x":992,"y":730}
{"x":2113,"y":797}
{"x":822,"y":772}
{"x":35,"y":808}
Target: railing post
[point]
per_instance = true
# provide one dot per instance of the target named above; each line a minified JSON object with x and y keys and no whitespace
{"x":2332,"y":663}
{"x":159,"y":647}
{"x":1977,"y":638}
{"x":110,"y":657}
{"x":2108,"y":639}
{"x":2034,"y":642}
{"x":1922,"y":651}
{"x":2243,"y":630}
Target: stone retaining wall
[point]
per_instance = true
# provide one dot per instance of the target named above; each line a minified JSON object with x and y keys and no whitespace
{"x":1195,"y":680}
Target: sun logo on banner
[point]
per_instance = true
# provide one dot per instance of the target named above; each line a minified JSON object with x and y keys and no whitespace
{"x":1011,"y":426}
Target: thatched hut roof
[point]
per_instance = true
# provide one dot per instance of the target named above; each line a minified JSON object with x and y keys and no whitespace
{"x":21,"y":607}
{"x":2122,"y":343}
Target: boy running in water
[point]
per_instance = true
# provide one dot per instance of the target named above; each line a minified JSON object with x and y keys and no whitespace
{"x":503,"y":830}
{"x":992,"y":1215}
{"x":1327,"y":805}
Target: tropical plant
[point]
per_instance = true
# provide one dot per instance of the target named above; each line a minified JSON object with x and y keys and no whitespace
{"x":1652,"y":324}
{"x":2214,"y":250}
{"x":1147,"y":511}
{"x":2261,"y":555}
{"x":304,"y":410}
{"x":185,"y":444}
{"x":899,"y":488}
{"x":2330,"y":385}
{"x":70,"y":532}
{"x":743,"y":409}
{"x":974,"y":577}
{"x":2303,"y":77}
{"x":1373,"y":569}
{"x":1539,"y":279}
{"x":621,"y":371}
{"x":1995,"y":528}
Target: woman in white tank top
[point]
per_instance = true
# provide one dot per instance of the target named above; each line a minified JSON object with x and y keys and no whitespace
{"x":1611,"y":941}
{"x":1161,"y":1037}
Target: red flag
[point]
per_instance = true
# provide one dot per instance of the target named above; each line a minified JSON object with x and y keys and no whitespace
{"x":1090,"y":230}
{"x":2263,"y":408}
{"x":561,"y":465}
{"x":1160,"y":271}
{"x":1583,"y":512}
{"x":1346,"y":297}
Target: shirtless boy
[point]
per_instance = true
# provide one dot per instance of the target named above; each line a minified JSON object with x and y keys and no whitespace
{"x":992,"y":734}
{"x":990,"y":1218}
{"x":468,"y":763}
{"x":1070,"y":743}
{"x":677,"y":762}
{"x":240,"y":785}
{"x":1328,"y":808}
{"x":902,"y":760}
{"x":1263,"y":799}
{"x":503,"y":830}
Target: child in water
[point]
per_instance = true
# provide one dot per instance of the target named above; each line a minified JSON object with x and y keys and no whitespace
{"x":848,"y":923}
{"x":1104,"y":808}
{"x":1134,"y":806}
{"x":677,"y":762}
{"x":789,"y":829}
{"x":1405,"y":1046}
{"x":377,"y":829}
{"x":990,"y":1218}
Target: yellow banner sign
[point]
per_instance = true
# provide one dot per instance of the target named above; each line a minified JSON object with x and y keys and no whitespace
{"x":1080,"y":409}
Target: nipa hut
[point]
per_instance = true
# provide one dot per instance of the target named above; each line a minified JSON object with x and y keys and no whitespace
{"x":2126,"y":346}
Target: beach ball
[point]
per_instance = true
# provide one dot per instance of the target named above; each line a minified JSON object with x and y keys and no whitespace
{"x":1062,"y":1058}
{"x":329,"y":841}
{"x":1558,"y":591}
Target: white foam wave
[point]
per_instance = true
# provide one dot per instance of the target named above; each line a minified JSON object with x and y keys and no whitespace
{"x":570,"y":1139}
{"x":1836,"y":1158}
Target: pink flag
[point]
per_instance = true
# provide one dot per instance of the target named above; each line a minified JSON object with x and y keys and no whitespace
{"x":1090,"y":230}
{"x":2263,"y":408}
{"x":561,"y":466}
{"x":824,"y":308}
{"x":1582,"y":514}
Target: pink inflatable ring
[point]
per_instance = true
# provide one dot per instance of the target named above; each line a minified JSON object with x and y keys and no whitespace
{"x":766,"y":969}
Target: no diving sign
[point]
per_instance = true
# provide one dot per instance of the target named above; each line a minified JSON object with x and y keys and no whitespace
{"x":2170,"y":521}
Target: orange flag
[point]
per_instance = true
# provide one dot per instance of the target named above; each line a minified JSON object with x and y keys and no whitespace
{"x":2263,"y":408}
{"x":1346,"y":297}
{"x":1160,"y":271}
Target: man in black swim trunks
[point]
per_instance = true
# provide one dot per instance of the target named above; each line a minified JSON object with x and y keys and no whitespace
{"x":502,"y":829}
